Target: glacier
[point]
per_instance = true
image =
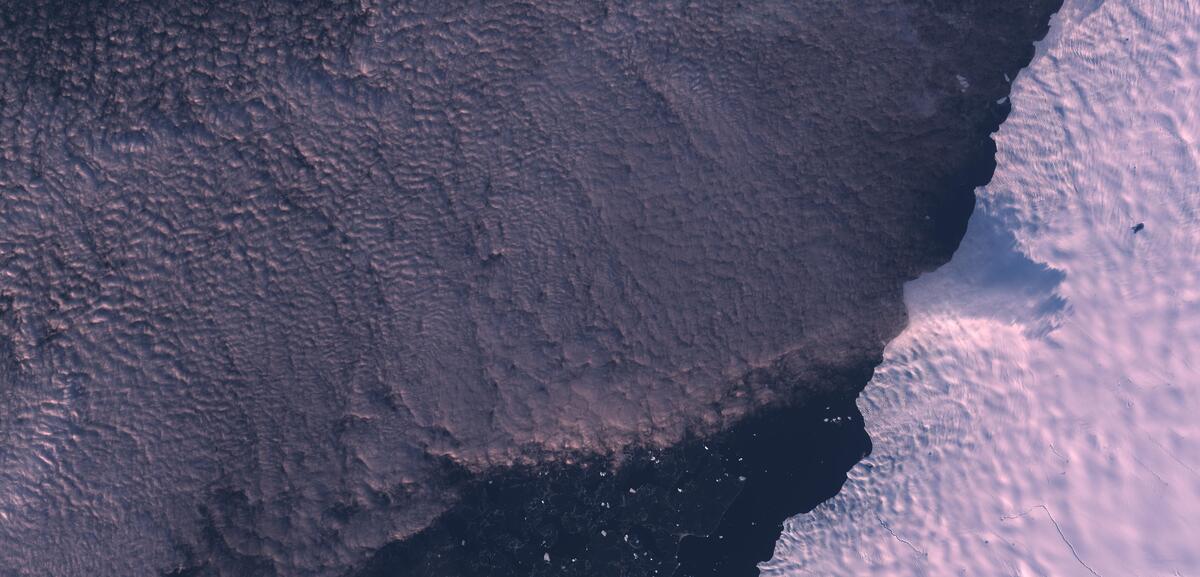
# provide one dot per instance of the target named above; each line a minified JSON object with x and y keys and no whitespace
{"x":1037,"y":416}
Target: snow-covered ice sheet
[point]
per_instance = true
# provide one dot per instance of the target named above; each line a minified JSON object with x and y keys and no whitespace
{"x":1041,"y":414}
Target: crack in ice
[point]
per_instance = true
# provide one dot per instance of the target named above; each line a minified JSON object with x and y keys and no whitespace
{"x":1061,"y":535}
{"x":884,"y":524}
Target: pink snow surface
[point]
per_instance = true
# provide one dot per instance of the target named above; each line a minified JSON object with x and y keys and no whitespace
{"x":1041,"y":414}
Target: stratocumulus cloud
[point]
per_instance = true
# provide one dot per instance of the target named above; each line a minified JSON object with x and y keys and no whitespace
{"x":286,"y":285}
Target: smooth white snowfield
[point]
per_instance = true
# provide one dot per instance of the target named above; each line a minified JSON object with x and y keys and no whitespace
{"x":1041,"y":414}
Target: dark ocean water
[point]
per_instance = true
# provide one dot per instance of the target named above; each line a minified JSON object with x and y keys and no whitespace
{"x":331,"y":288}
{"x":727,"y":495}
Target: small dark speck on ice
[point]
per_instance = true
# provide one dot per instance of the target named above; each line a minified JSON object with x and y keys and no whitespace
{"x":1138,"y":227}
